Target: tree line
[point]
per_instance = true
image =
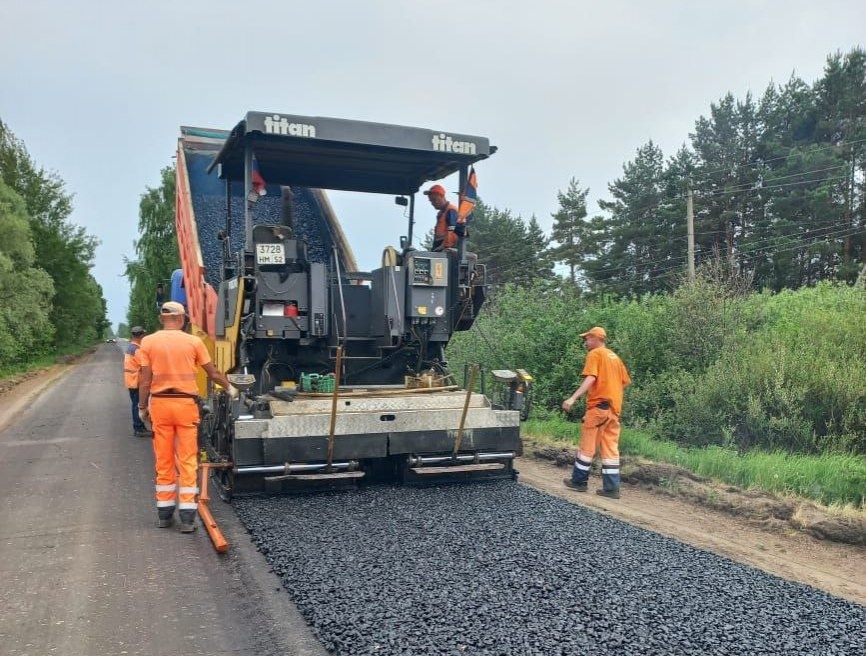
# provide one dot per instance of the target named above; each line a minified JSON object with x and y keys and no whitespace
{"x":49,"y":301}
{"x":778,"y":183}
{"x":156,"y":252}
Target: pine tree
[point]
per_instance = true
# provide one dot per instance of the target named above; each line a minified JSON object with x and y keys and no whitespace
{"x":634,"y":255}
{"x":840,"y":98}
{"x":500,"y":240}
{"x":538,"y":245}
{"x":570,"y":229}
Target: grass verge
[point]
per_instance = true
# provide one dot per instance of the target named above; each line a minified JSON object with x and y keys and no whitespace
{"x":41,"y":362}
{"x":831,"y":479}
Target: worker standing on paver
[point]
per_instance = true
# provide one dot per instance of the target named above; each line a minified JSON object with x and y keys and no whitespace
{"x":170,"y":359}
{"x":605,"y":378}
{"x":131,"y":371}
{"x":446,"y":233}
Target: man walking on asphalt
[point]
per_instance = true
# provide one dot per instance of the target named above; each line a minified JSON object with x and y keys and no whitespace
{"x":131,"y":371}
{"x":605,"y":378}
{"x":170,"y":359}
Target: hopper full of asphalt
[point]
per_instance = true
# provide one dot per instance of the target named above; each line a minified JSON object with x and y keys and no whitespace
{"x":209,"y":205}
{"x":501,"y":569}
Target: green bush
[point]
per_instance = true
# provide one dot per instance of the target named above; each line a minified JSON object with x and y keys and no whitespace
{"x":26,"y":332}
{"x":711,"y":366}
{"x":796,"y":382}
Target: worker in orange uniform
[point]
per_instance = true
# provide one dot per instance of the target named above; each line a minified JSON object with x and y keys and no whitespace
{"x":131,"y":370}
{"x":447,"y":232}
{"x":605,"y":378}
{"x":169,"y":360}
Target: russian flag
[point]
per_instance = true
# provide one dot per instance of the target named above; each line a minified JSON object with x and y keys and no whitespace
{"x":258,"y":180}
{"x":468,"y":198}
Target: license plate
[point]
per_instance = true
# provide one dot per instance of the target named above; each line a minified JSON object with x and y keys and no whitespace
{"x":270,"y":254}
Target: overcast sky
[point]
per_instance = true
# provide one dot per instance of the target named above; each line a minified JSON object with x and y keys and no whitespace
{"x":565,"y":89}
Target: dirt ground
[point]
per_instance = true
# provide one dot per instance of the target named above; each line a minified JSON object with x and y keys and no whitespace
{"x":779,"y":536}
{"x":774,"y":535}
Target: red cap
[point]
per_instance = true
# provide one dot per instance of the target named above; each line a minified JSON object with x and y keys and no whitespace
{"x":435,"y":189}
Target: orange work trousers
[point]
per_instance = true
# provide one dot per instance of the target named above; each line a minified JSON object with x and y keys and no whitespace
{"x":175,"y":450}
{"x":601,"y":429}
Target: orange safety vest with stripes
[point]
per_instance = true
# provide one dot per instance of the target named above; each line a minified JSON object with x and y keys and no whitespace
{"x":173,"y":357}
{"x":131,"y":366}
{"x":446,"y":226}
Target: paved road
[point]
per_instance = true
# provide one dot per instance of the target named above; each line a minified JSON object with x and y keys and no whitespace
{"x":84,"y":571}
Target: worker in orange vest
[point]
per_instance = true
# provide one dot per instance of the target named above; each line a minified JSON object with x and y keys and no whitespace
{"x":447,"y":233}
{"x":131,"y":370}
{"x":169,"y":399}
{"x":605,"y":378}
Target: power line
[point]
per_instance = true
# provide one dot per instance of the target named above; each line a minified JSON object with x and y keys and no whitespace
{"x":765,"y":182}
{"x":751,"y":188}
{"x":724,"y":192}
{"x":705,"y":233}
{"x":796,"y":149}
{"x":833,"y":236}
{"x":813,"y":225}
{"x":762,"y":246}
{"x":753,"y":254}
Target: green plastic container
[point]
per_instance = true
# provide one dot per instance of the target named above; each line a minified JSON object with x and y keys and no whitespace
{"x":317,"y":383}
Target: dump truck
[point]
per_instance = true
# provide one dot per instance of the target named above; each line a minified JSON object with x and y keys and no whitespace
{"x":342,"y":372}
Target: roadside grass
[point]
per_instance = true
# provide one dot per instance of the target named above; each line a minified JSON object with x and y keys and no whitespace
{"x":836,"y":480}
{"x":41,"y":362}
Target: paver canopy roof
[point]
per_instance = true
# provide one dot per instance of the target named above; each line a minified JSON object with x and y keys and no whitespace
{"x":331,"y":153}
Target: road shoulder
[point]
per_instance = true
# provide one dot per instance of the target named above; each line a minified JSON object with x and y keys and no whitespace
{"x":838,"y":569}
{"x":17,"y":396}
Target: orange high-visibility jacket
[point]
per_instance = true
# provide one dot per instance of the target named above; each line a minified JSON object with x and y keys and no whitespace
{"x":611,"y":377}
{"x":174,"y":357}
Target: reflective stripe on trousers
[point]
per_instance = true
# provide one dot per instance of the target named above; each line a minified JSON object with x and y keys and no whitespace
{"x":175,"y":450}
{"x":600,"y":430}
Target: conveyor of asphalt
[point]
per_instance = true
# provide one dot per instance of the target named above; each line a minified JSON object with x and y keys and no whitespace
{"x":501,"y":568}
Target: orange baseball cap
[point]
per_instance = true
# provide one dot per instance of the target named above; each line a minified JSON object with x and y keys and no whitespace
{"x":435,"y":189}
{"x":596,"y":331}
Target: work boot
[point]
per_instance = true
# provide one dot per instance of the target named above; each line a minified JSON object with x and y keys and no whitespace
{"x":571,"y":485}
{"x":187,"y":521}
{"x":165,"y":517}
{"x":610,"y":494}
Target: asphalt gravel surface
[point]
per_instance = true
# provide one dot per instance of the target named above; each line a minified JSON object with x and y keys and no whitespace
{"x":85,"y":571}
{"x":500,"y":568}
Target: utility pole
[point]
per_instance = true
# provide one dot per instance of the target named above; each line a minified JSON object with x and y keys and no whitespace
{"x":690,"y":220}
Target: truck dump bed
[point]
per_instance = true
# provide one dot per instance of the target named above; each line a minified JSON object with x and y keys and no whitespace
{"x":202,"y":212}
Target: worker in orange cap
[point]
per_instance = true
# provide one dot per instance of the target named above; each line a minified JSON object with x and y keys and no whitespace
{"x":605,"y":378}
{"x":446,"y":233}
{"x":169,"y":360}
{"x":131,"y":369}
